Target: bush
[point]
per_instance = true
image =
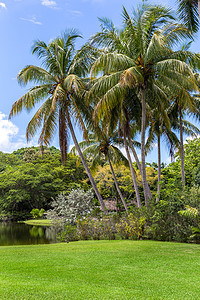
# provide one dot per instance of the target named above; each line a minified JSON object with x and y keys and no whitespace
{"x":68,"y":234}
{"x":131,"y":227}
{"x":36,"y":213}
{"x":69,"y":208}
{"x":108,"y":227}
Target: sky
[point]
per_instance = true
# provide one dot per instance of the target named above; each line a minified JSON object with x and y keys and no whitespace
{"x":24,"y":21}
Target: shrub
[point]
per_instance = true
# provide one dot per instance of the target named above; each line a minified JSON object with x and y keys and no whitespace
{"x":131,"y":227}
{"x":69,"y":207}
{"x":36,"y":213}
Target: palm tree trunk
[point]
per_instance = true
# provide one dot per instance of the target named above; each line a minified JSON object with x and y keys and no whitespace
{"x":62,"y":136}
{"x":199,"y":8}
{"x":132,"y":172}
{"x":143,"y":165}
{"x":85,"y":164}
{"x":116,"y":184}
{"x":159,"y":169}
{"x":138,"y":163}
{"x":182,"y":148}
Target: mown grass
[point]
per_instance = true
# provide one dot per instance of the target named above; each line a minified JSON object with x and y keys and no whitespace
{"x":36,"y":222}
{"x":100,"y":270}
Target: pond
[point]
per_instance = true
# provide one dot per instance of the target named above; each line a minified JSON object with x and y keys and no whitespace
{"x":23,"y":234}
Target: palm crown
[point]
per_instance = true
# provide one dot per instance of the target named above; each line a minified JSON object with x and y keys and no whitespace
{"x":140,"y":58}
{"x":58,"y":84}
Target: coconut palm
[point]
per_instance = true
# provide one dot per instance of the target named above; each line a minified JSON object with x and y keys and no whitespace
{"x":160,"y":125}
{"x":180,"y":106}
{"x":189,"y":11}
{"x":100,"y":147}
{"x":140,"y":58}
{"x":59,"y":86}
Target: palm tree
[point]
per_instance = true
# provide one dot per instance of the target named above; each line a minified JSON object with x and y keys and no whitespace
{"x":140,"y":58}
{"x":180,"y":106}
{"x":101,"y":144}
{"x":59,"y":85}
{"x":160,"y":126}
{"x":189,"y":11}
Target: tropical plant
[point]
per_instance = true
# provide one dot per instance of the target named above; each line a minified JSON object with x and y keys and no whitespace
{"x":69,"y":207}
{"x":100,"y":147}
{"x":160,"y":126}
{"x":60,"y":87}
{"x":140,"y":58}
{"x":36,"y":213}
{"x":182,"y":105}
{"x":189,"y":12}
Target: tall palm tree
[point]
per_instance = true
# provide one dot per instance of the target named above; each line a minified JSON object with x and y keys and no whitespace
{"x":140,"y":58}
{"x":59,"y":85}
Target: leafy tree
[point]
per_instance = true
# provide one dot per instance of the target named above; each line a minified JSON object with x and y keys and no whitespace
{"x":24,"y":186}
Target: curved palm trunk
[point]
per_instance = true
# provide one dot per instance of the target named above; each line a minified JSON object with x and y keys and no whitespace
{"x":199,"y":8}
{"x":132,"y":173}
{"x":138,"y":163}
{"x":116,"y":184}
{"x":62,"y":136}
{"x":143,"y":166}
{"x":85,"y":165}
{"x":182,"y":148}
{"x":159,"y":169}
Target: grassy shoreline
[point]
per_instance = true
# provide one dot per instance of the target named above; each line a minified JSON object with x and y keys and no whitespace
{"x":38,"y":222}
{"x":100,"y":270}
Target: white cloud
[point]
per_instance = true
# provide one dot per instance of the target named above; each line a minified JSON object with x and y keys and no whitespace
{"x":3,"y":5}
{"x":9,"y":138}
{"x":76,"y":13}
{"x":49,"y":3}
{"x":32,"y":20}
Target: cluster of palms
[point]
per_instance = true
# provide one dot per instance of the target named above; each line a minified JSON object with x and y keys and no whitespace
{"x":138,"y":83}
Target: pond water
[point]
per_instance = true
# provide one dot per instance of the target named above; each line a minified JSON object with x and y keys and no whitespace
{"x":23,"y":234}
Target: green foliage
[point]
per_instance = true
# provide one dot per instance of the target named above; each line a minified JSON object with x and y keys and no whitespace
{"x":96,"y":228}
{"x":68,"y":234}
{"x":68,"y":208}
{"x":131,"y":227}
{"x":106,"y":227}
{"x":189,"y":212}
{"x":36,"y":213}
{"x":31,"y":183}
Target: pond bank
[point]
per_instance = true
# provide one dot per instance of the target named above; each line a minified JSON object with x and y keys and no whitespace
{"x":12,"y":233}
{"x":37,"y":222}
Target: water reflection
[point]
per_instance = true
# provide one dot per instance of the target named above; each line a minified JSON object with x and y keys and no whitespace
{"x":23,"y":234}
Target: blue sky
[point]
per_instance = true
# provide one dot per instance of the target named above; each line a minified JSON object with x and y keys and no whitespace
{"x":22,"y":22}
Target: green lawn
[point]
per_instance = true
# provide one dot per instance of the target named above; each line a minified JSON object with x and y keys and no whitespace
{"x":101,"y":270}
